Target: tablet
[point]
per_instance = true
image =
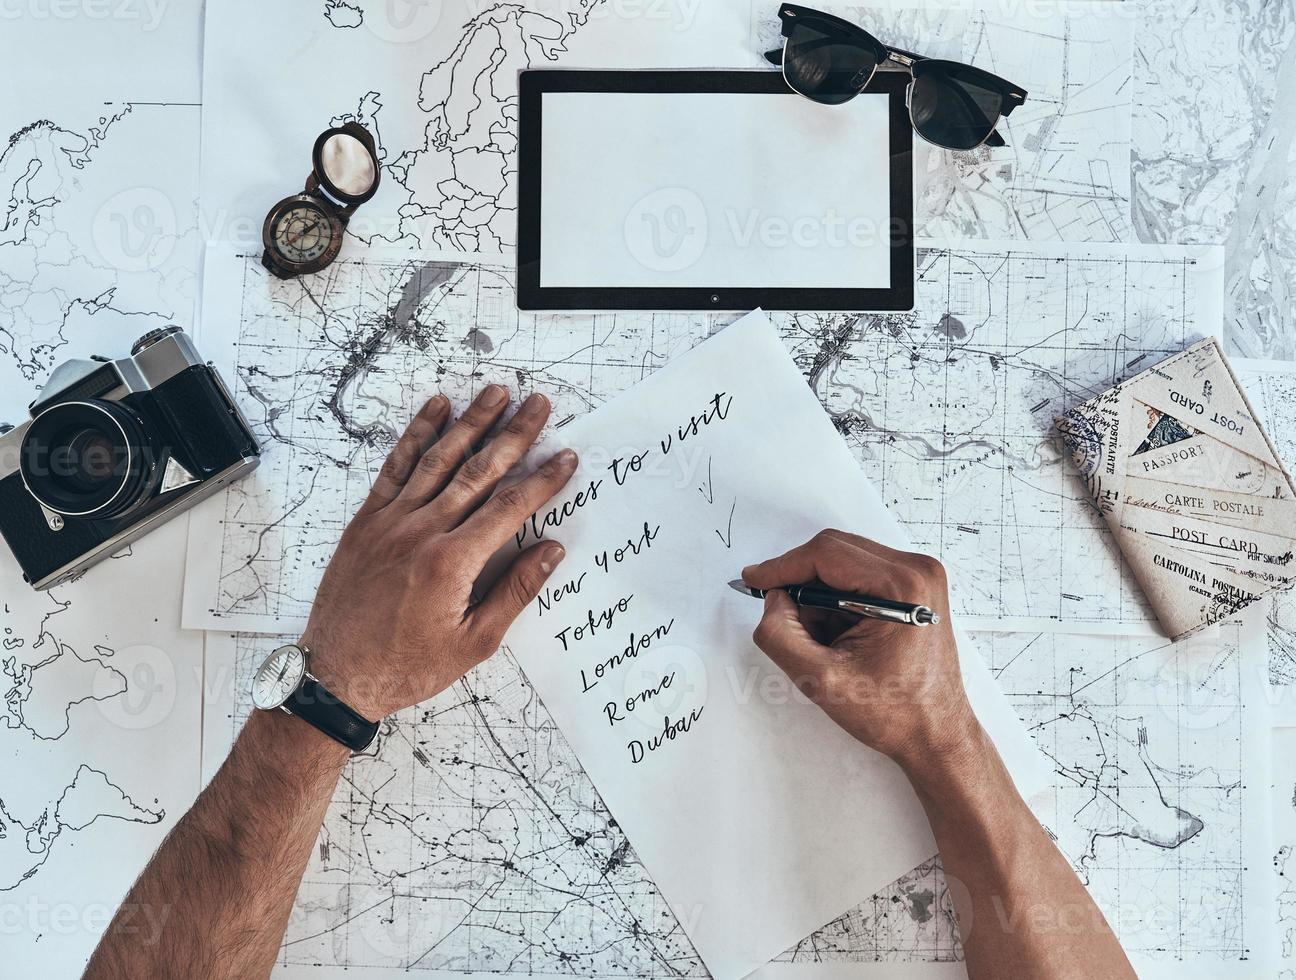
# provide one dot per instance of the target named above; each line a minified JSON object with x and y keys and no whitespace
{"x":711,"y":190}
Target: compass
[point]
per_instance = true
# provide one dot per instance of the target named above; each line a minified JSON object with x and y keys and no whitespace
{"x":303,"y":233}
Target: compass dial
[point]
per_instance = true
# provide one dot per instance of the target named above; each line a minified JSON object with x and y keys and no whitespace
{"x":302,"y":234}
{"x":278,"y":677}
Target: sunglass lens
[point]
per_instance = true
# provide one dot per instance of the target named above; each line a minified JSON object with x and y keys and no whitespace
{"x":825,"y":67}
{"x":952,"y":111}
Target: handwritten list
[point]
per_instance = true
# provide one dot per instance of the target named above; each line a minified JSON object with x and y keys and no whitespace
{"x":757,"y":817}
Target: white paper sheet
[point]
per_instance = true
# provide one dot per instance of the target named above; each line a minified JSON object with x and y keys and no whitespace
{"x":1160,"y":792}
{"x":100,"y":719}
{"x":99,"y":242}
{"x":758,"y":818}
{"x":1271,"y":387}
{"x":435,"y":82}
{"x":99,"y":747}
{"x":714,"y":189}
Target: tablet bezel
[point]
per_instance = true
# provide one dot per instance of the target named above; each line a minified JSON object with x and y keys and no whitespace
{"x":534,"y":83}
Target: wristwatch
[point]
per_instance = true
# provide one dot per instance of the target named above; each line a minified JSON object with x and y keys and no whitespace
{"x":283,"y":682}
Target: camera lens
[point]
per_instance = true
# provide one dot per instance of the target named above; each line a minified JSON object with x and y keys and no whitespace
{"x":88,"y":459}
{"x":92,"y":460}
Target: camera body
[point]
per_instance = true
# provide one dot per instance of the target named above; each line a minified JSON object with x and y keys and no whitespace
{"x":113,"y":449}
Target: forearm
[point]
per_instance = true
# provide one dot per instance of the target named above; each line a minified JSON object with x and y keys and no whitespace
{"x":222,"y":884}
{"x":1021,"y":908}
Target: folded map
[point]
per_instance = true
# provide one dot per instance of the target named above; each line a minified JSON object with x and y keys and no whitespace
{"x":1190,"y":485}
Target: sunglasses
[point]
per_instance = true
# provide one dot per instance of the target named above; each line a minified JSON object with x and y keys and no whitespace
{"x":830,"y":61}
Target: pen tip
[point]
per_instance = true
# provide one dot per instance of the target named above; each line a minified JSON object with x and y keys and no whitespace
{"x":738,"y":585}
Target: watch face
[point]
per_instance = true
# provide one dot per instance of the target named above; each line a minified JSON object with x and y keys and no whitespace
{"x":301,"y":234}
{"x":278,"y":677}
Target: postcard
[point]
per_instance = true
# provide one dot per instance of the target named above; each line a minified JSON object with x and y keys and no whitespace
{"x":1191,"y":486}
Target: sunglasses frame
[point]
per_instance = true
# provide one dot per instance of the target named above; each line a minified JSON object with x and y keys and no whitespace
{"x":916,"y":65}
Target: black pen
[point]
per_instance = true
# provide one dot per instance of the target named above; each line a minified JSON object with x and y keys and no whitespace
{"x":861,"y":605}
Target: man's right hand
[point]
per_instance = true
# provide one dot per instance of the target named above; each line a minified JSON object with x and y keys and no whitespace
{"x":896,"y":688}
{"x":1021,"y":909}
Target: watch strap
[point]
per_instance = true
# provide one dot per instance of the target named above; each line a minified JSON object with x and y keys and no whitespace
{"x":314,"y":703}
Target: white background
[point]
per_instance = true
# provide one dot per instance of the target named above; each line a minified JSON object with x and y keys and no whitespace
{"x":714,"y":189}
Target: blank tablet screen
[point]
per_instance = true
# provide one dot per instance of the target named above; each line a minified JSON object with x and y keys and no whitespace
{"x":714,"y":189}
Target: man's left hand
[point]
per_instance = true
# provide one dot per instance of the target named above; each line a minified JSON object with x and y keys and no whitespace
{"x":393,"y":622}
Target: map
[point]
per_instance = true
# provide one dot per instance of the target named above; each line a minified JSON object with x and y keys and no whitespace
{"x":98,"y":743}
{"x":1162,"y":757}
{"x":343,"y":14}
{"x":1271,"y":386}
{"x":949,"y":408}
{"x":1217,"y":162}
{"x":446,"y":123}
{"x":90,"y":260}
{"x":1077,"y":69}
{"x":89,"y":797}
{"x":443,"y":110}
{"x":1284,"y":862}
{"x":328,"y":392}
{"x":469,"y":839}
{"x":98,"y":244}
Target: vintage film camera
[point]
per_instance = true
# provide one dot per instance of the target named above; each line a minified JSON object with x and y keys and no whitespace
{"x":112,"y":450}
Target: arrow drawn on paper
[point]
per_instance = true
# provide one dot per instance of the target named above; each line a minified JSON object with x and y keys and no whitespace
{"x":708,"y":489}
{"x":727,"y":537}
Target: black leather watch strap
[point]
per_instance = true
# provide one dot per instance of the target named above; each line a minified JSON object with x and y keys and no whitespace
{"x":312,"y":702}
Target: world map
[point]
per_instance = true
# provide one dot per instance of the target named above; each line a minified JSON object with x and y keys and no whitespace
{"x":89,"y":259}
{"x":97,"y":246}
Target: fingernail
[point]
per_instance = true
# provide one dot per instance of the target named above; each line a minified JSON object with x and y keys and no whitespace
{"x":493,"y":395}
{"x":438,"y":402}
{"x":567,"y":457}
{"x":533,"y":406}
{"x":553,"y":554}
{"x":743,"y":574}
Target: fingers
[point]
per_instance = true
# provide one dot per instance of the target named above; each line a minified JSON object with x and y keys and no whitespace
{"x":495,"y":522}
{"x":825,"y":625}
{"x":784,"y":639}
{"x":840,"y":564}
{"x":517,"y":587}
{"x":438,"y":464}
{"x":484,"y":469}
{"x":849,"y":562}
{"x":417,"y":438}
